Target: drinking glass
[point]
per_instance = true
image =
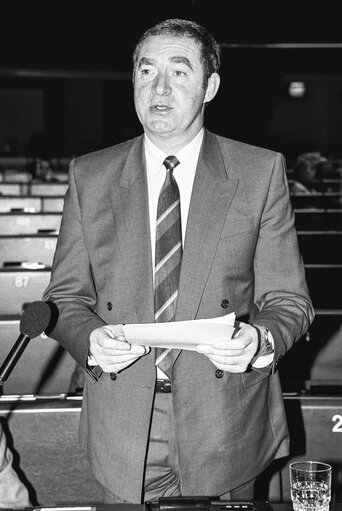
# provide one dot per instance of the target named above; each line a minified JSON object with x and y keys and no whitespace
{"x":310,"y":483}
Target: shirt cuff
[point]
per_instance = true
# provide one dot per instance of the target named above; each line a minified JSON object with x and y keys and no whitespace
{"x":93,"y":369}
{"x":91,"y":361}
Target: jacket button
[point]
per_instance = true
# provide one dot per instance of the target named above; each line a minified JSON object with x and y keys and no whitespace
{"x":109,"y":306}
{"x":218,"y":373}
{"x":225,"y":304}
{"x":113,"y":376}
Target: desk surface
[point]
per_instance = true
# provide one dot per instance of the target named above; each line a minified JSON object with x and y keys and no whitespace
{"x":257,"y":506}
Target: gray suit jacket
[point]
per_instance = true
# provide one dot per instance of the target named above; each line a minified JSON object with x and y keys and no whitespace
{"x":240,"y":246}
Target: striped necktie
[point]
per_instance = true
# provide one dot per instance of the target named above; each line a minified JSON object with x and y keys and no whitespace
{"x":168,"y":257}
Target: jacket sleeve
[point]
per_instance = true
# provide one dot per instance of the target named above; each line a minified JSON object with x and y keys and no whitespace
{"x":71,"y":288}
{"x":281,"y":293}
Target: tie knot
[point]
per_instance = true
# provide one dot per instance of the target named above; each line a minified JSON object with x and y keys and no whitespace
{"x":170,"y":162}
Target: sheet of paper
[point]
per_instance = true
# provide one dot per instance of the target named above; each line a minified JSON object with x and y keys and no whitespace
{"x":181,"y":334}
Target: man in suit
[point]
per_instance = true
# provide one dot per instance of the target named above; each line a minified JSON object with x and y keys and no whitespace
{"x":214,"y":420}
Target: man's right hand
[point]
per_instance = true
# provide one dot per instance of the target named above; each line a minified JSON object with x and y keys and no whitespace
{"x":111,"y":351}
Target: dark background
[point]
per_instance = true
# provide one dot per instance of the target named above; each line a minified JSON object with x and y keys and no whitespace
{"x":75,"y":59}
{"x":101,"y":35}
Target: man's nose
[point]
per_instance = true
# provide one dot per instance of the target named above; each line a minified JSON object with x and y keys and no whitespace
{"x":161,"y":84}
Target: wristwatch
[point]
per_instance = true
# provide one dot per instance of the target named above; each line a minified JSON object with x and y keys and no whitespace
{"x":265,"y":345}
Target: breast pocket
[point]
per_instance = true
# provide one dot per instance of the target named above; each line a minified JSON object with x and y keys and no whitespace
{"x":240,"y":226}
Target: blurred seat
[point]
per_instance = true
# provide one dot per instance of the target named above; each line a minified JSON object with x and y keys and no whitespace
{"x":21,"y":285}
{"x":319,"y":233}
{"x":16,"y":176}
{"x":10,"y":163}
{"x":52,"y":204}
{"x":17,"y":169}
{"x":302,"y":361}
{"x":318,"y":219}
{"x":328,"y":185}
{"x":321,"y":246}
{"x":13,"y":188}
{"x":327,"y":364}
{"x":31,"y":204}
{"x":325,"y":284}
{"x":45,"y":189}
{"x":319,"y":200}
{"x":29,"y":223}
{"x":43,"y":368}
{"x":21,"y":203}
{"x":32,"y":248}
{"x":331,"y":169}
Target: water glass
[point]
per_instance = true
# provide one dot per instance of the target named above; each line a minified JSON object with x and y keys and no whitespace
{"x":310,"y":483}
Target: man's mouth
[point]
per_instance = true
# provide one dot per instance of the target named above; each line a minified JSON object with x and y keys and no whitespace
{"x":161,"y":108}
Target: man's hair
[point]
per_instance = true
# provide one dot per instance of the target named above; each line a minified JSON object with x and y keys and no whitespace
{"x":210,"y":49}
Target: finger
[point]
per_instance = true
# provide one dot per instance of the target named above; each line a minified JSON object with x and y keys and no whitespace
{"x":233,"y":345}
{"x":119,"y":348}
{"x":119,"y":333}
{"x":114,"y":344}
{"x":117,"y":359}
{"x":109,"y":366}
{"x":225,"y":361}
{"x":210,"y":349}
{"x":139,"y":349}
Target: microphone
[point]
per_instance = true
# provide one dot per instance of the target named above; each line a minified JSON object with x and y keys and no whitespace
{"x":34,"y":320}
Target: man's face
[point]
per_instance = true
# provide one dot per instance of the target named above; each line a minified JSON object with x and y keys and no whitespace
{"x":168,"y":88}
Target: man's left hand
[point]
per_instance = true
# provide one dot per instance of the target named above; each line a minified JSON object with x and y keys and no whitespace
{"x":233,"y":355}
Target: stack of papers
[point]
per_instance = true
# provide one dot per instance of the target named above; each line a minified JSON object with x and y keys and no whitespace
{"x":184,"y":335}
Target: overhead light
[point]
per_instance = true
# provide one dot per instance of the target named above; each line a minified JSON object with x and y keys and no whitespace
{"x":297,"y":89}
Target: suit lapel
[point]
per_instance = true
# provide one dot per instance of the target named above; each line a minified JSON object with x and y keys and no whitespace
{"x":210,"y":201}
{"x":211,"y":198}
{"x":131,"y":216}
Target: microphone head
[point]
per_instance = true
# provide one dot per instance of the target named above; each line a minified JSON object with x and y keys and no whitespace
{"x":35,"y":319}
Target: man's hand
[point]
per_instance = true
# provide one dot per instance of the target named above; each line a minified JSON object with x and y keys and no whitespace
{"x":233,"y":355}
{"x":110,"y":349}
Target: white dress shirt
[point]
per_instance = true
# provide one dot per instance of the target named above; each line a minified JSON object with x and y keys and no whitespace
{"x":184,"y":175}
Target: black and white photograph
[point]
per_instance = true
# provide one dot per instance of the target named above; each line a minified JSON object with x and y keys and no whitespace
{"x":170,"y":256}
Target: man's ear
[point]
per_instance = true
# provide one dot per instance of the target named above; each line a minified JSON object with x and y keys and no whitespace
{"x":212,"y":87}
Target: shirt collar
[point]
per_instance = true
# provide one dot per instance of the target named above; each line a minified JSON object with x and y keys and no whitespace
{"x":155,"y":156}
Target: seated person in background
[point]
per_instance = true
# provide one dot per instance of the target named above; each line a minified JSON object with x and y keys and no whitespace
{"x":13,"y":493}
{"x":305,"y":173}
{"x":41,"y":170}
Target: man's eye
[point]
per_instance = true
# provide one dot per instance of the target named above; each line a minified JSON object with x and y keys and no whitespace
{"x":178,"y":73}
{"x":145,"y":71}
